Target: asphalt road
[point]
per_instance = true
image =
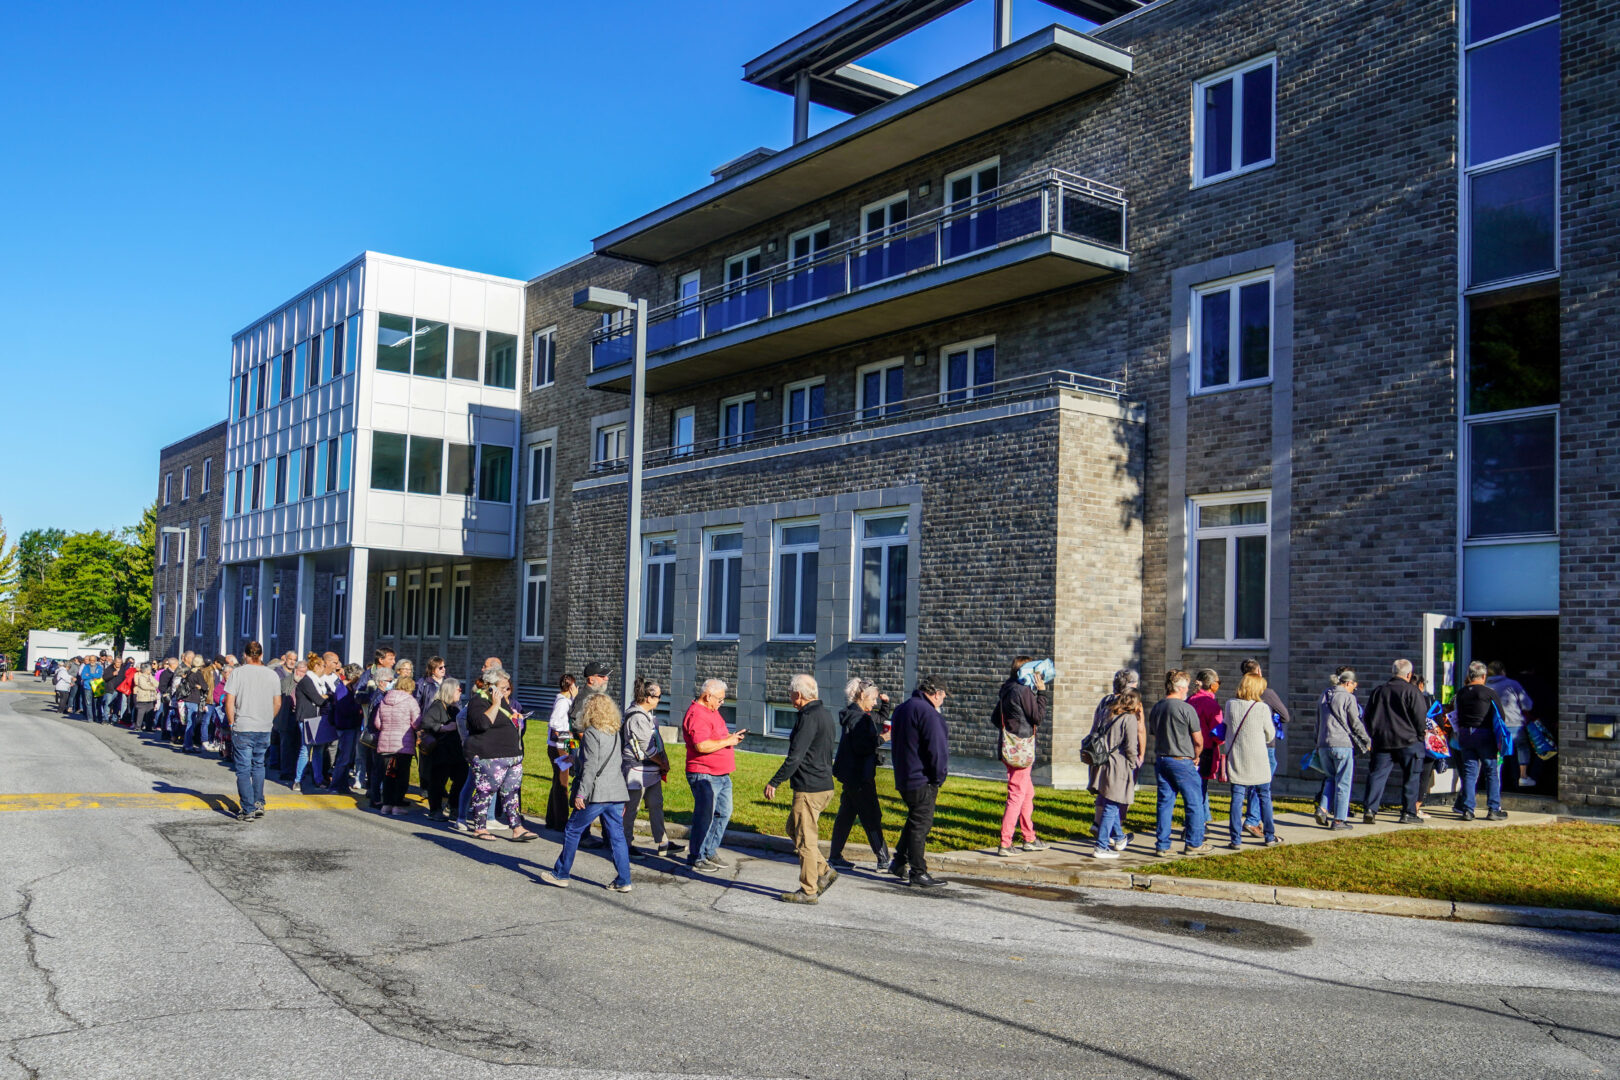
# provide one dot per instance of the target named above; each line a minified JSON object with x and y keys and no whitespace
{"x":149,"y":935}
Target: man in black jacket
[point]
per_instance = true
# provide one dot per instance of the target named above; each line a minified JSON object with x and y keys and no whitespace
{"x":808,"y":769}
{"x":1395,"y":720}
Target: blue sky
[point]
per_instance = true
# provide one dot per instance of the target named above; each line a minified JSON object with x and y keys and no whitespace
{"x":175,"y":171}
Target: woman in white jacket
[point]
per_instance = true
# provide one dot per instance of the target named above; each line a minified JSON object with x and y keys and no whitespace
{"x":1248,"y":729}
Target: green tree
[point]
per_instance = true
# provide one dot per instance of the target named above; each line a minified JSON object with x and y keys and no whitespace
{"x":36,"y":550}
{"x":100,"y":585}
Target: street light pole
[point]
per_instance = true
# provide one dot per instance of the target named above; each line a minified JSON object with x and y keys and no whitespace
{"x":602,"y":300}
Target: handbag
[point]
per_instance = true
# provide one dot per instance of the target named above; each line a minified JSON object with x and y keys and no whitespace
{"x":1310,"y":764}
{"x":1541,"y":740}
{"x":368,"y":739}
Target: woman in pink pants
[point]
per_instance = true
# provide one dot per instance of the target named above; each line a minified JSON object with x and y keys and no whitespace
{"x":1019,"y":714}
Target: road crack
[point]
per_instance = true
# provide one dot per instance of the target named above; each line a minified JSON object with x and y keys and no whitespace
{"x":31,"y":938}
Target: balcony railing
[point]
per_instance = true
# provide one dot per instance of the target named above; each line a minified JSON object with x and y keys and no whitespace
{"x":1050,"y":203}
{"x":926,"y":406}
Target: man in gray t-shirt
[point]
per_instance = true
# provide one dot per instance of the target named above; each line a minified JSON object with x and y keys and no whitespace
{"x":252,"y":698}
{"x":1178,"y":741}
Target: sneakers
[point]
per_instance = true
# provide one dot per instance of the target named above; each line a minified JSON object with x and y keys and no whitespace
{"x":840,"y":863}
{"x":245,"y":815}
{"x":1369,"y":819}
{"x":1202,"y":849}
{"x":552,"y":879}
{"x":796,"y":897}
{"x":614,"y":886}
{"x":1161,"y":853}
{"x":639,"y":852}
{"x":499,"y":826}
{"x":1274,"y":841}
{"x":1321,"y":818}
{"x":1409,"y":819}
{"x":1033,"y":845}
{"x":1101,"y":854}
{"x":827,"y":880}
{"x":1004,"y":852}
{"x":1496,"y":815}
{"x":1466,"y":814}
{"x":668,"y":849}
{"x":461,"y":826}
{"x":1253,"y":830}
{"x":707,"y":866}
{"x":1124,"y":842}
{"x":925,"y":880}
{"x":1340,"y":826}
{"x":1526,"y":782}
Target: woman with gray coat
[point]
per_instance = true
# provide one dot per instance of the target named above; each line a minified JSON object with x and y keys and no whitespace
{"x":1248,"y":729}
{"x":1339,"y":734}
{"x":1114,"y":754}
{"x":599,"y":792}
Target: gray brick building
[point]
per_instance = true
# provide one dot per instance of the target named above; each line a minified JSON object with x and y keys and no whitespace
{"x":185,"y":566}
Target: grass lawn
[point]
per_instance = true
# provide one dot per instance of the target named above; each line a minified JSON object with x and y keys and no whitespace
{"x":968,"y":814}
{"x":1564,"y":866}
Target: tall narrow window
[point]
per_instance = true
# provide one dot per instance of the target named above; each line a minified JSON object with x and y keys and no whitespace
{"x":168,"y":487}
{"x":495,"y":473}
{"x":425,"y":468}
{"x":534,"y":600}
{"x":433,"y":605}
{"x":611,"y":447}
{"x":247,"y":623}
{"x":278,"y":474}
{"x":804,"y":406}
{"x":257,"y":469}
{"x":394,"y":343}
{"x":658,"y":598}
{"x":540,"y":461}
{"x":880,"y":388}
{"x":1231,"y":332}
{"x":340,"y":604}
{"x":1230,"y":569}
{"x":413,"y":604}
{"x":295,"y":379}
{"x":329,"y":452}
{"x":321,"y":363}
{"x":1233,"y":129}
{"x":971,"y":224}
{"x":236,"y":485}
{"x":275,"y":609}
{"x":543,"y":360}
{"x":722,"y":583}
{"x":158,"y":616}
{"x":281,"y":377}
{"x":500,"y":360}
{"x":306,"y":485}
{"x":345,"y":343}
{"x":345,"y":459}
{"x":388,"y":605}
{"x":460,"y":601}
{"x":798,"y":561}
{"x":202,"y":541}
{"x":197,"y":616}
{"x":207,"y":474}
{"x":461,"y":476}
{"x":185,"y":483}
{"x":967,"y":370}
{"x":262,"y":392}
{"x":683,"y":430}
{"x":737,"y":420}
{"x":884,"y":567}
{"x":883,"y":252}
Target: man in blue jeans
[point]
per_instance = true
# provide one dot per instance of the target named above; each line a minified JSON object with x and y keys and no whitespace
{"x":1178,"y":740}
{"x":1477,"y":706}
{"x":252,"y":699}
{"x":709,"y":765}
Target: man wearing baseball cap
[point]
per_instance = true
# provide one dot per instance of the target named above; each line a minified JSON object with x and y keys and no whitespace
{"x":596,"y":680}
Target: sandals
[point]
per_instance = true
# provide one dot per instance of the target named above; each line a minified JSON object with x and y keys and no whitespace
{"x":524,"y":837}
{"x":484,"y":835}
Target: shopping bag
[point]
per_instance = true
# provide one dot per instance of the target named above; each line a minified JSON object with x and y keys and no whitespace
{"x":1541,"y":740}
{"x":1308,"y":764}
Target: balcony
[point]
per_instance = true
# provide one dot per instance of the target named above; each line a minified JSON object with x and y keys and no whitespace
{"x":1025,"y":77}
{"x":1027,"y":237}
{"x":848,"y":427}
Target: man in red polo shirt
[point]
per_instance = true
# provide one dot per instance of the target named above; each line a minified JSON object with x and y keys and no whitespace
{"x":709,"y":765}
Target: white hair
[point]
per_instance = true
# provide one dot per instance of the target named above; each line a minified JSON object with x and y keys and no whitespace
{"x":1401,"y":668}
{"x":1344,"y":678}
{"x":1126,"y":679}
{"x":713,"y":687}
{"x":857,"y":688}
{"x":805,"y":686}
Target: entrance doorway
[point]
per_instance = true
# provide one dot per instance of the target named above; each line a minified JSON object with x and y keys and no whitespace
{"x":1528,"y":651}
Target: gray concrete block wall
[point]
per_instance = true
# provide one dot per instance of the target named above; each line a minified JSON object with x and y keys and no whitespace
{"x":202,"y":574}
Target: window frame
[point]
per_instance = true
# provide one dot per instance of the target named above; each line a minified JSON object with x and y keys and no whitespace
{"x":779,"y":587}
{"x":168,"y":488}
{"x":973,"y":170}
{"x":1195,"y":316}
{"x":511,"y":479}
{"x":207,"y":475}
{"x":1465,"y":217}
{"x":433,"y":603}
{"x":791,"y":426}
{"x":861,"y":542}
{"x":1231,"y":533}
{"x":772,"y":728}
{"x":533,"y":626}
{"x":340,"y":605}
{"x":202,"y":541}
{"x":388,"y":605}
{"x":971,"y":347}
{"x":616,"y":428}
{"x":1234,"y":73}
{"x":666,"y":562}
{"x":185,"y":483}
{"x":544,"y":471}
{"x":1507,"y":416}
{"x":689,"y":447}
{"x":735,"y":565}
{"x":885,"y":408}
{"x":247,"y":618}
{"x":543,"y":373}
{"x":460,"y":601}
{"x":411,"y":615}
{"x":726,"y":442}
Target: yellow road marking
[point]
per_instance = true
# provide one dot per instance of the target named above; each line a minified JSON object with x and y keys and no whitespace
{"x":19,"y":690}
{"x":164,"y":800}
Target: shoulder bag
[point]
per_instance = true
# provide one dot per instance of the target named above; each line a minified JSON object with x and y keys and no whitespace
{"x":1017,"y":751}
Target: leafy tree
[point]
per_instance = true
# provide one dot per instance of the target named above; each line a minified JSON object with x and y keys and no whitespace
{"x":36,"y":550}
{"x":8,"y":567}
{"x":100,"y":585}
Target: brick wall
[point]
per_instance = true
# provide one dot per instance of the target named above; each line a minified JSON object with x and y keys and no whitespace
{"x":202,"y":573}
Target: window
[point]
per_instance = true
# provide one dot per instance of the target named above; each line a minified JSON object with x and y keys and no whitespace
{"x":387,"y":461}
{"x":1233,"y":121}
{"x":1230,"y":569}
{"x":329,"y":463}
{"x":689,"y":317}
{"x":321,"y":353}
{"x":798,"y":560}
{"x":534,"y":600}
{"x":294,"y":379}
{"x":543,"y":358}
{"x":168,"y":483}
{"x":880,"y":388}
{"x":262,"y":395}
{"x":161,"y":604}
{"x":202,"y":541}
{"x":393,"y":343}
{"x":742,"y":301}
{"x":164,"y":547}
{"x":1513,"y":349}
{"x":779,"y":720}
{"x":433,"y":605}
{"x":812,"y":283}
{"x":278,"y":479}
{"x":1513,"y":98}
{"x":722,"y":583}
{"x":275,"y":609}
{"x":804,"y":406}
{"x":306,"y":485}
{"x":884,"y":564}
{"x":967,"y":370}
{"x":965,"y":232}
{"x":610,"y":444}
{"x":740,"y":268}
{"x":736,"y":420}
{"x":683,"y":430}
{"x":540,"y":461}
{"x":280,"y":376}
{"x":207,"y":474}
{"x":258,"y":485}
{"x":248,"y":619}
{"x":880,"y":220}
{"x":425,"y":467}
{"x":1513,"y":476}
{"x":413,"y":604}
{"x":658,"y":598}
{"x":345,"y":340}
{"x":1513,"y":221}
{"x":351,"y":345}
{"x":388,"y":605}
{"x":185,"y":483}
{"x":500,"y":360}
{"x":1489,"y":18}
{"x":340,"y":604}
{"x":431,"y":353}
{"x":197,"y":617}
{"x":345,"y":458}
{"x":495,"y":473}
{"x":179,"y":610}
{"x":241,"y":396}
{"x":460,"y":475}
{"x":1231,"y":333}
{"x":234,"y":480}
{"x":461,"y":601}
